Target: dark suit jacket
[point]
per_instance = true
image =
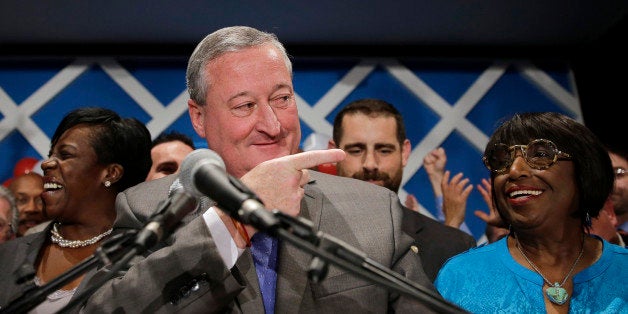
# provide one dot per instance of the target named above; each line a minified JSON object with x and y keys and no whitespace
{"x":21,"y":251}
{"x":14,"y":254}
{"x":189,"y":275}
{"x":434,"y":241}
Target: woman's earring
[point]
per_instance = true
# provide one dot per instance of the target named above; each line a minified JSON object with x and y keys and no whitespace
{"x":587,"y":220}
{"x":107,"y":183}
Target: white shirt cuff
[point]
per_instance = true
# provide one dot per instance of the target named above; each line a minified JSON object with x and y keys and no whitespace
{"x":228,"y":250}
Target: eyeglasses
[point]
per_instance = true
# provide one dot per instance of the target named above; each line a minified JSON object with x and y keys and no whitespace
{"x":539,"y":154}
{"x":619,"y":172}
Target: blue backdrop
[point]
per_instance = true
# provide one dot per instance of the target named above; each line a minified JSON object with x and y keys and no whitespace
{"x":451,"y":103}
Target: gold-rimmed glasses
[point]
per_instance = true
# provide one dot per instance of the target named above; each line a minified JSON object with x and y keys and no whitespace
{"x":539,"y":154}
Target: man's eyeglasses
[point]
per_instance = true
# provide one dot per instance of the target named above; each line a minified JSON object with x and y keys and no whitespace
{"x":539,"y":154}
{"x":619,"y":172}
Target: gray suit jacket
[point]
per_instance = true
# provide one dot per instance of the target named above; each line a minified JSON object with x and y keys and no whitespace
{"x":188,"y":275}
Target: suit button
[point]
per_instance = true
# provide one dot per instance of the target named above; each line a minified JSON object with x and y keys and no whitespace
{"x":414,"y":249}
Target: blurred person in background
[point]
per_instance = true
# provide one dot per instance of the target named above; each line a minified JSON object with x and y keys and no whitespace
{"x":168,"y":151}
{"x":619,"y":197}
{"x":8,"y":215}
{"x":605,"y":225}
{"x":377,"y":154}
{"x":27,"y":189}
{"x":24,"y":166}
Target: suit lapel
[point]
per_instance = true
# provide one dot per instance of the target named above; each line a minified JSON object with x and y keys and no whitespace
{"x":293,"y":262}
{"x":412,"y":223}
{"x":250,"y":299}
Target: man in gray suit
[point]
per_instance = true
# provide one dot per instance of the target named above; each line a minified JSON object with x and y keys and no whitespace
{"x":242,"y":101}
{"x":378,"y":155}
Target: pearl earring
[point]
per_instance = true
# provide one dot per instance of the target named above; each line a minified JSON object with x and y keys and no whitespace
{"x":107,"y":183}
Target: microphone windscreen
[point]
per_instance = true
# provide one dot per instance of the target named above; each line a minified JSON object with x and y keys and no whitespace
{"x":192,"y":162}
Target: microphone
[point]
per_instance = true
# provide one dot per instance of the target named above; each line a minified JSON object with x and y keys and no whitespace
{"x":203,"y":172}
{"x":165,"y":220}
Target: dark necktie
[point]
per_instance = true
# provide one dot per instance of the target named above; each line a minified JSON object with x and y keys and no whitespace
{"x":264,"y":251}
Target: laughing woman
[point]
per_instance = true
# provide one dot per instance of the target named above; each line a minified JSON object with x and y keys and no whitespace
{"x":550,"y":175}
{"x":94,"y":155}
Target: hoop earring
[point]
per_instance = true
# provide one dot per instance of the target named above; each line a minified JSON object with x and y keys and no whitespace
{"x":107,"y":183}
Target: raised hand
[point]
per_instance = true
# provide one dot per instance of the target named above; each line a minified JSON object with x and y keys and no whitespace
{"x":412,"y":203}
{"x":455,"y":194}
{"x":492,"y":218}
{"x":434,"y":163}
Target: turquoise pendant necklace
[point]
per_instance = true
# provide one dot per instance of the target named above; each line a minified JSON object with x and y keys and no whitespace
{"x":555,"y":292}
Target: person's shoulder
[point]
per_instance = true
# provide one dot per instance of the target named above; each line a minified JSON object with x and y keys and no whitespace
{"x":436,"y":229}
{"x":152,"y":187}
{"x":477,"y":261}
{"x":616,"y":249}
{"x":137,"y":203}
{"x":484,"y":252}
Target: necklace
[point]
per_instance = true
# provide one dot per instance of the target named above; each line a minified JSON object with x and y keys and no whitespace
{"x":58,"y":239}
{"x":555,"y":292}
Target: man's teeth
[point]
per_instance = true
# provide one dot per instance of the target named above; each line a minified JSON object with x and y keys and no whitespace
{"x":52,"y":186}
{"x":525,"y":192}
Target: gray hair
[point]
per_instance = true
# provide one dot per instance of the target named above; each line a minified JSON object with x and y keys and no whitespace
{"x":228,"y":39}
{"x":8,"y":195}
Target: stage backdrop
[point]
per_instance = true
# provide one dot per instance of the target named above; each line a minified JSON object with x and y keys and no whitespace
{"x":455,"y":104}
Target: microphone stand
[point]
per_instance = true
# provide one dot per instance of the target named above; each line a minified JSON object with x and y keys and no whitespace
{"x":327,"y":249}
{"x":110,"y":251}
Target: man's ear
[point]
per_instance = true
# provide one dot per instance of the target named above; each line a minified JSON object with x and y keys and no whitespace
{"x":406,"y":149}
{"x":196,"y":113}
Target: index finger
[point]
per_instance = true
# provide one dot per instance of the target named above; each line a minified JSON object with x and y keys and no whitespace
{"x":314,"y":158}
